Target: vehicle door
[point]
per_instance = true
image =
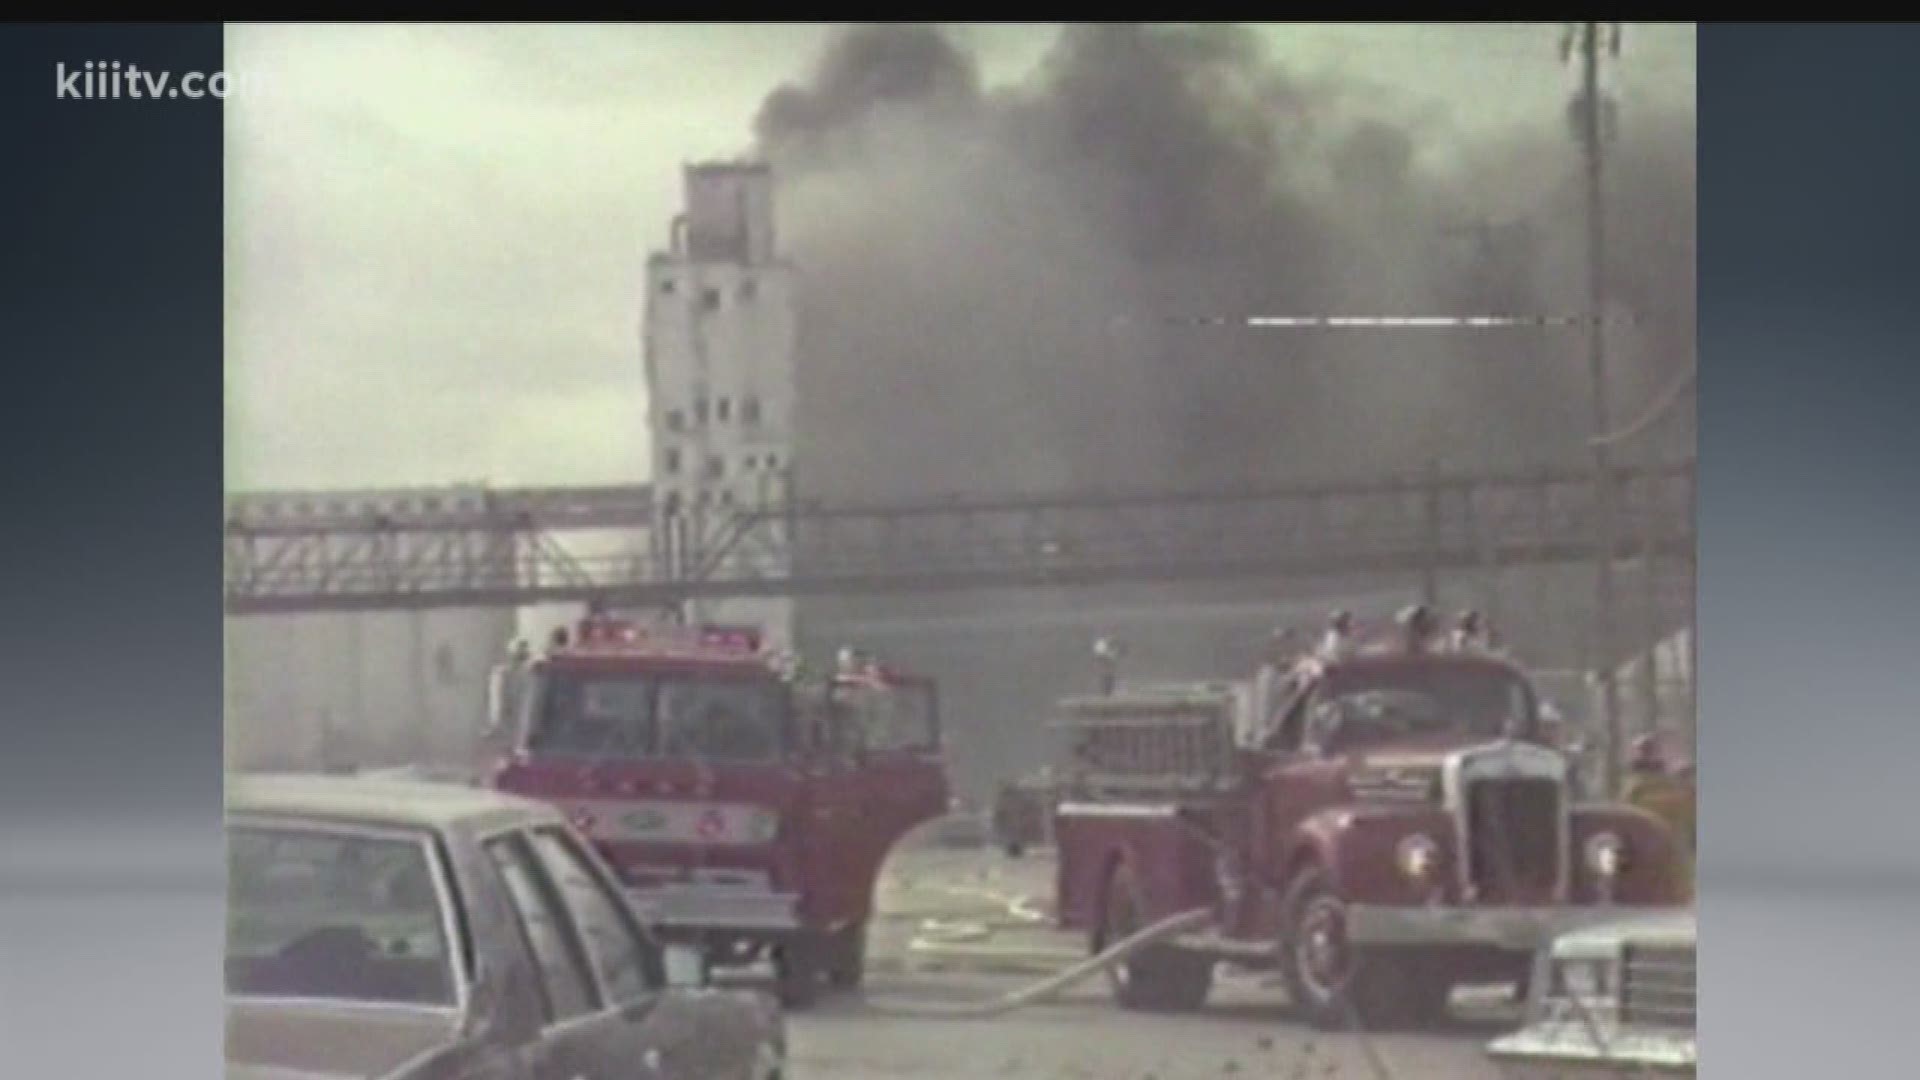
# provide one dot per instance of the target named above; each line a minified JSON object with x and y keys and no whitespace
{"x":837,"y":841}
{"x":908,"y":777}
{"x":594,"y":984}
{"x":1298,"y":781}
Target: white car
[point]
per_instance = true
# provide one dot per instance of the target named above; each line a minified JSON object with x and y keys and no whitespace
{"x":399,"y":930}
{"x":1609,"y":1001}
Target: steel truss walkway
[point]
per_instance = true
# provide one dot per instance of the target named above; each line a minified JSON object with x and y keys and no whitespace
{"x":516,"y":547}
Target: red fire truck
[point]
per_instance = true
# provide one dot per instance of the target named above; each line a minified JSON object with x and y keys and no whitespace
{"x":1397,"y":828}
{"x":747,"y":806}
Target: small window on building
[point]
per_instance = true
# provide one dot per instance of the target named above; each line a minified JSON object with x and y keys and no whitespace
{"x":670,"y":504}
{"x":773,"y":462}
{"x":747,"y":463}
{"x":716,"y":467}
{"x":666,"y":286}
{"x":748,"y":288}
{"x":710,"y":299}
{"x":749,"y":410}
{"x":676,"y":420}
{"x":723,"y":408}
{"x":700,"y":410}
{"x":706,"y":498}
{"x":671,"y":461}
{"x":726,"y":497}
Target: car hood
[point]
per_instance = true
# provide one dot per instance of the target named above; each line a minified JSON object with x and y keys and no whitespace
{"x":300,"y":1040}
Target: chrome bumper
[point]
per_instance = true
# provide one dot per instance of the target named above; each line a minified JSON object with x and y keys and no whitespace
{"x":706,"y":907}
{"x":1515,"y":929}
{"x":1566,"y":1050}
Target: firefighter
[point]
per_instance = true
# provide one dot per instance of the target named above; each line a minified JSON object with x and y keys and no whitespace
{"x":557,"y":641}
{"x":1270,"y":682}
{"x":1416,"y":621}
{"x":1106,"y":652}
{"x":506,"y":694}
{"x":1666,"y":792}
{"x":1469,"y":634}
{"x":1338,"y":640}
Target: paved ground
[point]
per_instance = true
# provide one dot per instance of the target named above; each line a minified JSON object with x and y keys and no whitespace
{"x":977,"y":949}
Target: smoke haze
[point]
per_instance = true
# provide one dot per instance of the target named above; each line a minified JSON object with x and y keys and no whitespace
{"x":989,"y":276}
{"x":988,"y":279}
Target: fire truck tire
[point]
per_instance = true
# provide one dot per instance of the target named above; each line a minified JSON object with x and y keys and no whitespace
{"x":1335,"y":985}
{"x":847,"y":956}
{"x":1160,"y":978}
{"x":796,"y":970}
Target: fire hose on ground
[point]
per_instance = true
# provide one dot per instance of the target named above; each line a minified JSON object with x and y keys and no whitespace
{"x":1118,"y":952}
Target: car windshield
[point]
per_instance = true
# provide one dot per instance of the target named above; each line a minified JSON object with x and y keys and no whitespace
{"x":314,"y":912}
{"x":626,"y":716}
{"x":1423,"y":702}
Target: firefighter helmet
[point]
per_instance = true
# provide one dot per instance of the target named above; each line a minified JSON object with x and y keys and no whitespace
{"x":1416,"y":622}
{"x":1646,"y":754}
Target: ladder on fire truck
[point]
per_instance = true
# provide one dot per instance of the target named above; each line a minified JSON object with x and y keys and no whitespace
{"x":1155,"y":741}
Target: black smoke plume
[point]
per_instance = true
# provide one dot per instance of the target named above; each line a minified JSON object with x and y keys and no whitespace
{"x":988,"y":278}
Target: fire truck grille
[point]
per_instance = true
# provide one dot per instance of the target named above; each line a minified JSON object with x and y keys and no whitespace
{"x":1657,"y":986}
{"x":1513,"y":837}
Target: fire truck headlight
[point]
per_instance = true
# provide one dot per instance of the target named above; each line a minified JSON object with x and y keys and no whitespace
{"x":1417,"y":855}
{"x":1606,"y":854}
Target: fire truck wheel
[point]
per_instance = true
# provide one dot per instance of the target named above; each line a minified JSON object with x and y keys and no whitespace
{"x":847,"y":956}
{"x":1015,"y":849}
{"x":1159,"y":978}
{"x":796,"y":970}
{"x":1335,"y":984}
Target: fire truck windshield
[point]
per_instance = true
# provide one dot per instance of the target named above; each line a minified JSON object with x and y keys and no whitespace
{"x":628,"y":716}
{"x":1424,"y":701}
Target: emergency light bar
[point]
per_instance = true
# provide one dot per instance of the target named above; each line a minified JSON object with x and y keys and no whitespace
{"x":738,"y":638}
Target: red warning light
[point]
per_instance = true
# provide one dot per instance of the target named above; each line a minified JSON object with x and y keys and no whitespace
{"x":739,"y":638}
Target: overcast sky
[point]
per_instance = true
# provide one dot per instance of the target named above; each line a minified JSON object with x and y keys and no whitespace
{"x":435,"y":235}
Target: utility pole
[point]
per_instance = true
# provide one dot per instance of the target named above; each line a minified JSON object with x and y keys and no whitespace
{"x":1430,"y":576}
{"x":1590,"y":123}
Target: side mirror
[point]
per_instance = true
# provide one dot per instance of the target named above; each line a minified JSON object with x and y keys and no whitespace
{"x":686,"y":966}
